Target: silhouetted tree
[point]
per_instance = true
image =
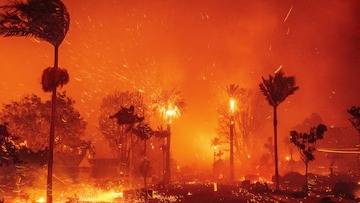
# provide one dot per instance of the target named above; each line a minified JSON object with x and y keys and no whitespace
{"x":276,"y":89}
{"x":245,"y":119}
{"x":127,"y":117}
{"x":8,"y":147}
{"x":119,"y":137}
{"x":313,"y":119}
{"x":29,"y":119}
{"x":305,"y":142}
{"x":47,"y":20}
{"x":354,"y":111}
{"x":16,"y":161}
{"x":355,"y":117}
{"x":144,"y":132}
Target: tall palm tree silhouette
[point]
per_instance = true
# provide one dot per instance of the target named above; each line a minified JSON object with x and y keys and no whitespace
{"x":135,"y":124}
{"x":276,"y":89}
{"x":47,"y":20}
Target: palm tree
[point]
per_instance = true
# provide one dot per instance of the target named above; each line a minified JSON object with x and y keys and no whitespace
{"x":126,"y":116}
{"x":170,"y":104}
{"x":162,"y":134}
{"x":47,"y":20}
{"x":233,"y":91}
{"x":276,"y":89}
{"x":127,"y":119}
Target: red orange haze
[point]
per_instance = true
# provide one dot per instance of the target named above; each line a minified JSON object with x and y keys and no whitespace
{"x":198,"y":47}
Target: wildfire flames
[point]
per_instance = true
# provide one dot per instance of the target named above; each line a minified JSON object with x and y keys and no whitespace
{"x":83,"y":193}
{"x":170,"y":112}
{"x":150,"y":85}
{"x":232,"y":105}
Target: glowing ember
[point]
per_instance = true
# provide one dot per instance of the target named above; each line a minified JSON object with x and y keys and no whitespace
{"x":76,"y":193}
{"x":232,"y":105}
{"x":40,"y":200}
{"x":287,"y":158}
{"x":170,"y":112}
{"x":104,"y":197}
{"x":215,"y":187}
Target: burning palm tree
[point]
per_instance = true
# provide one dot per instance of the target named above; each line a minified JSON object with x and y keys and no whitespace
{"x":233,"y":91}
{"x":170,"y":105}
{"x":276,"y":89}
{"x":47,"y":20}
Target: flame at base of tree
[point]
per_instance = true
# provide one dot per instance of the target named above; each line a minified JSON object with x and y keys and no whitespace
{"x":73,"y":193}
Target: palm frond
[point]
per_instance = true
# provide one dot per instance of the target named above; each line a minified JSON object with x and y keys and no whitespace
{"x":143,"y":131}
{"x":278,"y":87}
{"x":232,"y":90}
{"x":53,"y":78}
{"x":168,"y":98}
{"x":44,"y":19}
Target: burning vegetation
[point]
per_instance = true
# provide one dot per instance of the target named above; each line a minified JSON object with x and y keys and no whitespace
{"x":156,"y":122}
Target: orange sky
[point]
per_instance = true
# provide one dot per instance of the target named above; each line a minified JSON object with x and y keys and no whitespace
{"x":198,"y":47}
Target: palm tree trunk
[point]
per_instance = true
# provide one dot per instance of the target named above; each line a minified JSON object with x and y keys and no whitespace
{"x":231,"y":148}
{"x":131,"y":156}
{"x":276,"y":150}
{"x":306,"y":177}
{"x":145,"y":175}
{"x":164,"y":160}
{"x":168,"y":165}
{"x":214,"y":161}
{"x":52,"y":133}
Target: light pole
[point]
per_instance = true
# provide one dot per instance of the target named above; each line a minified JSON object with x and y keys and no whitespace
{"x":168,"y":156}
{"x":232,"y":108}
